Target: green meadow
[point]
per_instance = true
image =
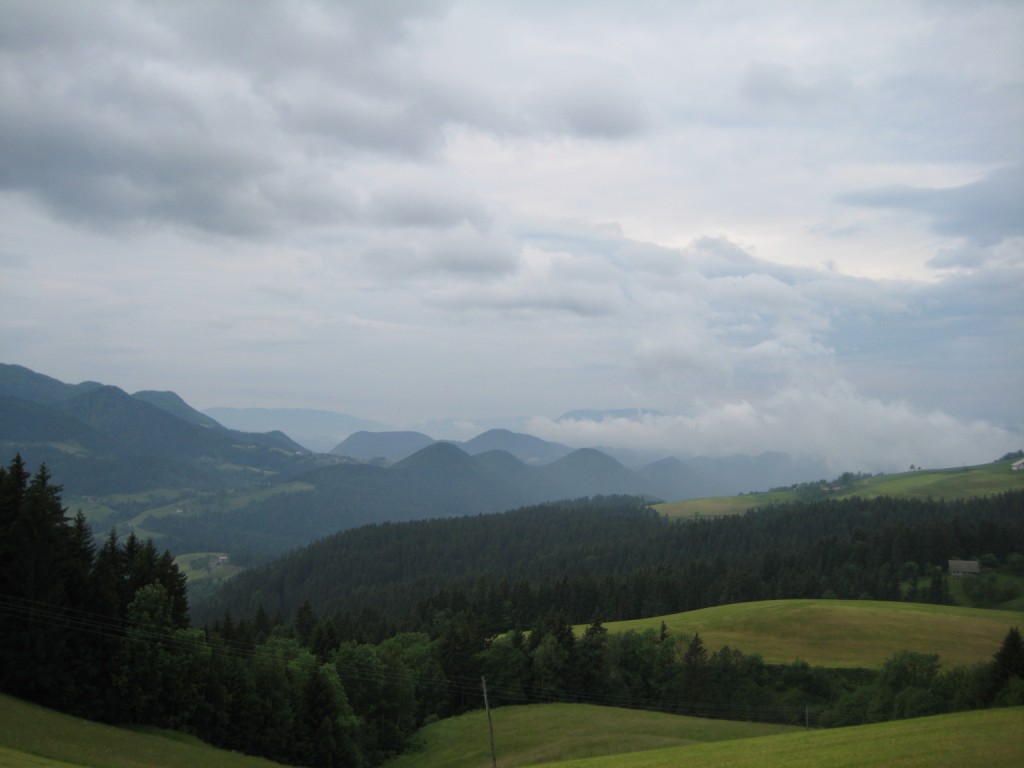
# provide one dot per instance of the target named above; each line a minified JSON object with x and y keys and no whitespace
{"x":550,"y":735}
{"x":34,"y":736}
{"x":542,"y":733}
{"x":991,"y":738}
{"x":104,"y":510}
{"x":957,"y":483}
{"x":202,"y":566}
{"x":840,"y":633}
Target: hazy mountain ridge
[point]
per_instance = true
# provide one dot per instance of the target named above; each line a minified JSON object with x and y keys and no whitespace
{"x":391,"y":446}
{"x":172,"y":403}
{"x":100,"y":441}
{"x":439,"y":481}
{"x":316,"y":429}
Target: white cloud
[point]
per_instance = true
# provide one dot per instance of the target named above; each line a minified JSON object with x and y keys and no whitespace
{"x":836,"y":425}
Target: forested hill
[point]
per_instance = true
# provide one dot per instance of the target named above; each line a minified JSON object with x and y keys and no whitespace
{"x":616,"y":558}
{"x":101,"y":440}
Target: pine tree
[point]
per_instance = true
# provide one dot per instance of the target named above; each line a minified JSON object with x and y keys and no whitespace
{"x":695,"y":672}
{"x":1009,"y":661}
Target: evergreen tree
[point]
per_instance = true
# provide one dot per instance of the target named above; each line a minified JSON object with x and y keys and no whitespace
{"x":1009,"y":661}
{"x":38,"y":560}
{"x":592,"y":660}
{"x":695,"y":675}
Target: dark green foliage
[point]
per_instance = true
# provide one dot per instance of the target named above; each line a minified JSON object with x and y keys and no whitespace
{"x":70,"y":611}
{"x":1008,"y":664}
{"x":695,"y":673}
{"x":128,"y":443}
{"x":616,"y":557}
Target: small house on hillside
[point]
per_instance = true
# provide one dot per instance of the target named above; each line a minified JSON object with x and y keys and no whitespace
{"x":1018,"y":466}
{"x":958,"y":568}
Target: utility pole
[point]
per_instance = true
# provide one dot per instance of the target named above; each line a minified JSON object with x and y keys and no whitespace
{"x":490,"y":724}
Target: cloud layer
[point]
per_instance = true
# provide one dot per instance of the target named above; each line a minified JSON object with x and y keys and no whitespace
{"x":784,"y":228}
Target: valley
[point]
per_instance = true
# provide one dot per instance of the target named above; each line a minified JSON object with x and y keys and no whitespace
{"x":370,"y":589}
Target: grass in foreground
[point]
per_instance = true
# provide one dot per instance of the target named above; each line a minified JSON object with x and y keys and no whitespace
{"x":840,"y":633}
{"x":992,"y":738}
{"x":530,"y":734}
{"x":35,"y":736}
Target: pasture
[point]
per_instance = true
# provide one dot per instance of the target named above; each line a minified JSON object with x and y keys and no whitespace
{"x":204,"y":566}
{"x":991,"y":738}
{"x":34,"y":736}
{"x":531,"y":734}
{"x":840,"y":633}
{"x":958,"y":483}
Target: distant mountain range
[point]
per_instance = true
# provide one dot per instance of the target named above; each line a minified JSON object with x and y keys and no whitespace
{"x":395,"y":446}
{"x":100,"y":441}
{"x":317,"y":430}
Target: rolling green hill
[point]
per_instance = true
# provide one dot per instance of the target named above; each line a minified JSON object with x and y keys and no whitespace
{"x":988,"y":737}
{"x":959,"y":483}
{"x":583,"y":736}
{"x":840,"y":633}
{"x":34,"y":736}
{"x":527,"y":735}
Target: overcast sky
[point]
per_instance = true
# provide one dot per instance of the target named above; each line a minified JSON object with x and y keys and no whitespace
{"x":791,"y":226}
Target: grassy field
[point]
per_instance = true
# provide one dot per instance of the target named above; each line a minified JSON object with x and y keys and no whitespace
{"x":527,"y":735}
{"x":956,"y":483}
{"x":213,"y":503}
{"x":194,"y":566}
{"x":34,"y":736}
{"x":562,"y":735}
{"x":989,"y":738}
{"x":102,"y":510}
{"x":841,"y":633}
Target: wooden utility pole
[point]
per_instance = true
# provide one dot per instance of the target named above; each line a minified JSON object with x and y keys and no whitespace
{"x":490,"y":724}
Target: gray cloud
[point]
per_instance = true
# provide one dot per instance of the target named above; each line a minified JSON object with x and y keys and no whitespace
{"x":619,"y":206}
{"x":599,"y":104}
{"x":459,"y":250}
{"x":984,"y":212}
{"x":773,"y":85}
{"x":405,"y":207}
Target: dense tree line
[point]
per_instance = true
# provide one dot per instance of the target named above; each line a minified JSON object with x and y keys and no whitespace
{"x":74,"y":613}
{"x":104,"y":633}
{"x":617,"y":558}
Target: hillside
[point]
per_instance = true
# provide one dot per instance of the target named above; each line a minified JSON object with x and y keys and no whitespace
{"x":577,"y":736}
{"x":618,"y":558}
{"x":839,"y":633}
{"x":102,"y":441}
{"x":552,"y":736}
{"x":989,"y":738}
{"x":316,"y":429}
{"x":527,"y":735}
{"x":151,"y":460}
{"x":31,"y":735}
{"x":955,"y":483}
{"x":441,"y":480}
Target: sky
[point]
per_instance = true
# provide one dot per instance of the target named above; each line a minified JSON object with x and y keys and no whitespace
{"x":763,"y":226}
